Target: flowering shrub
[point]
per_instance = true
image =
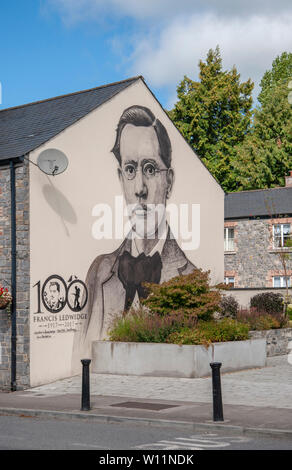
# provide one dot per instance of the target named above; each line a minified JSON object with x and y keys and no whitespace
{"x":142,"y":326}
{"x":5,"y":297}
{"x":261,"y":320}
{"x":183,"y":311}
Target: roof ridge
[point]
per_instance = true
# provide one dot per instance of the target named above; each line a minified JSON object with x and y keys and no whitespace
{"x":74,"y":93}
{"x":257,"y":190}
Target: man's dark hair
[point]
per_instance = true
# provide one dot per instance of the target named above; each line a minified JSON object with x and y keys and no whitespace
{"x":55,"y":283}
{"x":141,"y":116}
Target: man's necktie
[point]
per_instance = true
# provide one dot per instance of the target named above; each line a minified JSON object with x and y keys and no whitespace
{"x":133,"y":271}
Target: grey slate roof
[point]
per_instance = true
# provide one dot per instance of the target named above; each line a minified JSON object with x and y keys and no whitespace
{"x":26,"y":127}
{"x":265,"y":202}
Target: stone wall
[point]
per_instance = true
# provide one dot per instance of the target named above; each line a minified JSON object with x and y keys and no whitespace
{"x":277,"y":340}
{"x":23,"y":273}
{"x":254,"y":262}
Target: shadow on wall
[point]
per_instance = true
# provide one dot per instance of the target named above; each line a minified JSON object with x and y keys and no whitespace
{"x":60,"y":204}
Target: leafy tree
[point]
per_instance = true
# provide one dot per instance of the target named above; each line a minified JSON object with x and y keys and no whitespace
{"x":214,"y":115}
{"x":281,"y":72}
{"x":265,"y":156}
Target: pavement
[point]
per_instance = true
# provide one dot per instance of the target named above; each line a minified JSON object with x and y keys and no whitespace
{"x":255,"y":401}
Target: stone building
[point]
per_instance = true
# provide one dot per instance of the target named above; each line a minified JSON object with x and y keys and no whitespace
{"x":257,"y":223}
{"x":66,"y":242}
{"x":19,"y":171}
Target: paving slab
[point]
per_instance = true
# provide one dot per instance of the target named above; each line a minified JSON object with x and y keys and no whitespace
{"x":270,"y":386}
{"x":255,"y":401}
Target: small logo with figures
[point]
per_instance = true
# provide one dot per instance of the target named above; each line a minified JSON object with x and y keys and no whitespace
{"x":290,"y":352}
{"x":55,"y":293}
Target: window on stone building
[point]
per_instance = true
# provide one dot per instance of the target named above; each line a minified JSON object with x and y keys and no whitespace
{"x":280,"y":281}
{"x":228,"y":239}
{"x":229,"y":280}
{"x":281,"y":233}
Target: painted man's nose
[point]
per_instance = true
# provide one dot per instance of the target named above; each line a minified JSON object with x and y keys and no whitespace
{"x":140,"y":187}
{"x":141,"y":193}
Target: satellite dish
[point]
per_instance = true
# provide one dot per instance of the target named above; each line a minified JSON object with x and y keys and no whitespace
{"x":52,"y":162}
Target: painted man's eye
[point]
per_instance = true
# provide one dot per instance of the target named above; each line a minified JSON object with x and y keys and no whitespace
{"x":149,"y":169}
{"x":130,"y":171}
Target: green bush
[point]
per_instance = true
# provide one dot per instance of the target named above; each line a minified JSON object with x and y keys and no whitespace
{"x":229,"y":306}
{"x":205,"y":333}
{"x":268,"y":302}
{"x":143,"y":326}
{"x":289,"y":311}
{"x":190,"y":295}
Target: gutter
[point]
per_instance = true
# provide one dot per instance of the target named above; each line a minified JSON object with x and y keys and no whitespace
{"x":13,"y":275}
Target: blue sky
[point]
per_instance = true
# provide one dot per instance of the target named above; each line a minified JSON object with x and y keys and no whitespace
{"x":42,"y":57}
{"x":53,"y":47}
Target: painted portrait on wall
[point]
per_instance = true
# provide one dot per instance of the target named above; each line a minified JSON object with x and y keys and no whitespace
{"x":54,"y":294}
{"x":149,"y":253}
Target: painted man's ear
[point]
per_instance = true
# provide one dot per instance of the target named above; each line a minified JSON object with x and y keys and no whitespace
{"x":170,"y":180}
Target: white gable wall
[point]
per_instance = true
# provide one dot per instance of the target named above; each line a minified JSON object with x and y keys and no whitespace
{"x":61,"y":220}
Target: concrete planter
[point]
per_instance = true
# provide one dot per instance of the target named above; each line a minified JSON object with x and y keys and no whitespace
{"x":172,"y":360}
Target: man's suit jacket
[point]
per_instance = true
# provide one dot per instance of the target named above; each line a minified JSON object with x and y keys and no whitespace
{"x":106,"y":293}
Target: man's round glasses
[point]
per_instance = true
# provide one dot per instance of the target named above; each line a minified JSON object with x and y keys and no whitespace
{"x":148,"y":170}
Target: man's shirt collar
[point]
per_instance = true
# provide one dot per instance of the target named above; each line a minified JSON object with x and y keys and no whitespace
{"x":158,"y":247}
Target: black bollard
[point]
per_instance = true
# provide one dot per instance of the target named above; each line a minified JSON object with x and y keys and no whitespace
{"x":85,"y":399}
{"x":217,"y":396}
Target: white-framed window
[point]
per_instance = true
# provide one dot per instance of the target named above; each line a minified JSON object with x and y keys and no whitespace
{"x":229,"y":280}
{"x":280,"y":281}
{"x":228,"y":239}
{"x":281,"y":233}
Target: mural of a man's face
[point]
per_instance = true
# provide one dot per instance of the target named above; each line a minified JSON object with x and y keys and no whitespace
{"x":146,"y":180}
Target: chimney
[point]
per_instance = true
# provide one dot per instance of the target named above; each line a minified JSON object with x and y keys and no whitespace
{"x":288,"y":180}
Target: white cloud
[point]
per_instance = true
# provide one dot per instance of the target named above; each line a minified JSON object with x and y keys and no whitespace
{"x":172,"y":37}
{"x":249,"y":43}
{"x":78,"y":10}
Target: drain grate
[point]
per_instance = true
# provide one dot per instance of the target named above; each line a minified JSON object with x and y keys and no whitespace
{"x":143,"y":406}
